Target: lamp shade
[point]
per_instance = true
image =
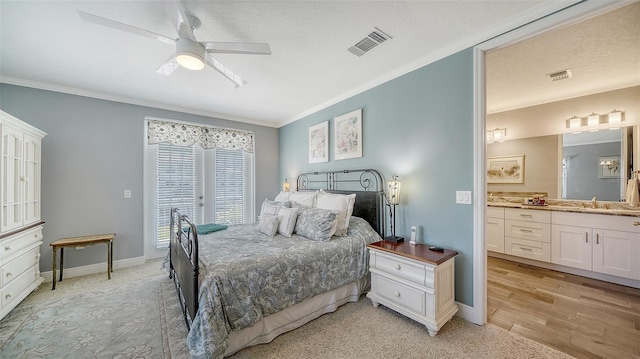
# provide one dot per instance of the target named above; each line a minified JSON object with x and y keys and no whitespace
{"x":615,"y":119}
{"x":285,"y":185}
{"x":393,"y":190}
{"x":574,"y":124}
{"x":593,"y":122}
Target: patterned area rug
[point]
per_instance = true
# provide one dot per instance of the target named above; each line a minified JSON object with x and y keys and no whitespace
{"x":141,"y":320}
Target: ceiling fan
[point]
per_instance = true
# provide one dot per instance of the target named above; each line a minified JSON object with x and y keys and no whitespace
{"x":190,"y":53}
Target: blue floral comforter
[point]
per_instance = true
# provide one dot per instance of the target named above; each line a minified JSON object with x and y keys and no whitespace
{"x":246,"y":275}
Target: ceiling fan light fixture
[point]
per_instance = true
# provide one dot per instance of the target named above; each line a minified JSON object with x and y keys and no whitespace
{"x":190,"y":54}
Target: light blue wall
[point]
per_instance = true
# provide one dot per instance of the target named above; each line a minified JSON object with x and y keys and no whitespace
{"x":92,"y":153}
{"x":419,"y":126}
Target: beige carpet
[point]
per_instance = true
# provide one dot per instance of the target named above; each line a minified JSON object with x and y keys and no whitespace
{"x":355,"y":330}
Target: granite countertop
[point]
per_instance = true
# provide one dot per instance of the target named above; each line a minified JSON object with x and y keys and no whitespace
{"x":559,"y":205}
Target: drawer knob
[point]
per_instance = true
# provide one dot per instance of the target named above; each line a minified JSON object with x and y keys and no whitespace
{"x":9,"y":295}
{"x":9,"y":274}
{"x":636,"y":223}
{"x":397,"y":293}
{"x":398,"y":266}
{"x":7,"y":248}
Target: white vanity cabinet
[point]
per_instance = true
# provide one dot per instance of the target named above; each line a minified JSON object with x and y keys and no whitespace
{"x":20,"y":204}
{"x":494,"y":229}
{"x":609,"y":244}
{"x":528,"y":233}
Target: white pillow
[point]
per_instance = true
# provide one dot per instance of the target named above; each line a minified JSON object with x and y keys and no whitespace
{"x":287,"y":220}
{"x":303,"y":198}
{"x":268,"y":224}
{"x":342,"y":204}
{"x":270,"y":207}
{"x":282,"y":196}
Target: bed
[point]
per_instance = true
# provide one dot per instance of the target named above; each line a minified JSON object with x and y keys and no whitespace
{"x":239,"y":287}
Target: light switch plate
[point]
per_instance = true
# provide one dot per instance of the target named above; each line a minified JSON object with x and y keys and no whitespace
{"x":463,"y":197}
{"x":127,"y":193}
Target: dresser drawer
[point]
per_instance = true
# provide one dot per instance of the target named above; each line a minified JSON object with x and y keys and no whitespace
{"x":16,"y":288}
{"x":13,"y":269}
{"x":540,"y":251}
{"x":11,"y":246}
{"x":397,"y":266}
{"x":531,"y":231}
{"x":527,"y":215}
{"x":403,"y":295}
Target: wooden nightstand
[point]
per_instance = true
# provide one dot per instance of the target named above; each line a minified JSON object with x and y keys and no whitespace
{"x":414,"y":281}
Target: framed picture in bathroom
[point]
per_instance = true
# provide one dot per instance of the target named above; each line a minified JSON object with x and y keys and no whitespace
{"x":505,"y":169}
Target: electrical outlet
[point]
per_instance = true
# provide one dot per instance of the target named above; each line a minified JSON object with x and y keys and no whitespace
{"x":127,"y":193}
{"x":463,"y":197}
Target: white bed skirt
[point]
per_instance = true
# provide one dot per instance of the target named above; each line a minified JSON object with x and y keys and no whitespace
{"x":296,"y":316}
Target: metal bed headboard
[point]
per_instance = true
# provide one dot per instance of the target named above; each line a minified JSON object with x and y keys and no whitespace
{"x":368,"y":184}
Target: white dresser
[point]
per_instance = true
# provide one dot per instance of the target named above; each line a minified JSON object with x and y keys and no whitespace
{"x":20,"y":205}
{"x":414,"y":281}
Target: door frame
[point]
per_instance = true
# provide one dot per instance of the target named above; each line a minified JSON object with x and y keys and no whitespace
{"x":573,"y":13}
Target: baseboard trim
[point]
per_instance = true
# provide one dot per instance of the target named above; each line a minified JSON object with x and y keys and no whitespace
{"x":95,"y":268}
{"x":467,"y":313}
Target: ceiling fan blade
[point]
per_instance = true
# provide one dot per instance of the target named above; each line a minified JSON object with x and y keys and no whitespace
{"x":224,"y":71}
{"x":124,"y":27}
{"x":180,"y":20}
{"x":168,"y":66}
{"x":237,"y":48}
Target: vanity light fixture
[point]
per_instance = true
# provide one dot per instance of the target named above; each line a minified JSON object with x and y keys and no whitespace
{"x":285,"y":185}
{"x":593,"y":122}
{"x":615,"y":119}
{"x":393,"y":199}
{"x":496,"y":135}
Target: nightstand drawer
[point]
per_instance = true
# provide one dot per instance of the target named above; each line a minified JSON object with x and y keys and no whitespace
{"x":401,"y":268}
{"x":402,"y":295}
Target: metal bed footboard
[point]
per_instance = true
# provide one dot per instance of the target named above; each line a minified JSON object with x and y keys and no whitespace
{"x":183,"y":258}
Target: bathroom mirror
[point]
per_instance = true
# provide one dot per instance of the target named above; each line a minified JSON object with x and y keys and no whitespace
{"x":596,"y":164}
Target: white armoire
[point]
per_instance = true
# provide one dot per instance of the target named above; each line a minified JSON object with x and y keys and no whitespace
{"x":20,"y":221}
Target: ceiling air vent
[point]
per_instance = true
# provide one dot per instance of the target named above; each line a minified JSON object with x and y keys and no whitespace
{"x":375,"y":38}
{"x":560,"y":75}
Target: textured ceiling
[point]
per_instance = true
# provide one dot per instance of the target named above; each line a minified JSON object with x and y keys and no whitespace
{"x":45,"y":44}
{"x":603,"y":54}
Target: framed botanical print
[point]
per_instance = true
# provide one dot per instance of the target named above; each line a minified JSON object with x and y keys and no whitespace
{"x":348,"y":135}
{"x":319,"y":143}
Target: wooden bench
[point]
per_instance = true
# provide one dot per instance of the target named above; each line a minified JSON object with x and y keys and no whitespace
{"x":81,"y":242}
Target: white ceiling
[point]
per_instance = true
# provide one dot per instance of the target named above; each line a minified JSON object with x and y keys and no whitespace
{"x":602,"y":53}
{"x":45,"y":44}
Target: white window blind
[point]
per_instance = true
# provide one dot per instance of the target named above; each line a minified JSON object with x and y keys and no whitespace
{"x":176,"y":186}
{"x":230,"y":186}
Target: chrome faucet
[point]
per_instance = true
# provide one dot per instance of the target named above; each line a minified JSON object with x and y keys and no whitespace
{"x":594,"y":203}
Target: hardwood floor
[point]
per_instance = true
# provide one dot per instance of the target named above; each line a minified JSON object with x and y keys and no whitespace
{"x":583,"y":317}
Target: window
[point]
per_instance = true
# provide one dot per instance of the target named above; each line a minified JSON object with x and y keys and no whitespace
{"x":208,"y":185}
{"x":175,"y":186}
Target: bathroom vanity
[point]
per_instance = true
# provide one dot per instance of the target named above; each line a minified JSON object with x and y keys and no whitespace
{"x":569,"y":236}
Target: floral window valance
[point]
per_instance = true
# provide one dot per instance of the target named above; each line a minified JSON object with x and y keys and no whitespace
{"x":181,"y":134}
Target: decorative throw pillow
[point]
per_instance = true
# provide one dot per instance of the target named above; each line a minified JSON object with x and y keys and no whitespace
{"x":304,"y":198}
{"x":316,"y":224}
{"x":342,"y":204}
{"x":270,"y":207}
{"x":268,"y":224}
{"x":287,"y":220}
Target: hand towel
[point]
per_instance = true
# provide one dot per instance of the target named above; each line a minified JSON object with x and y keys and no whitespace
{"x":632,"y":195}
